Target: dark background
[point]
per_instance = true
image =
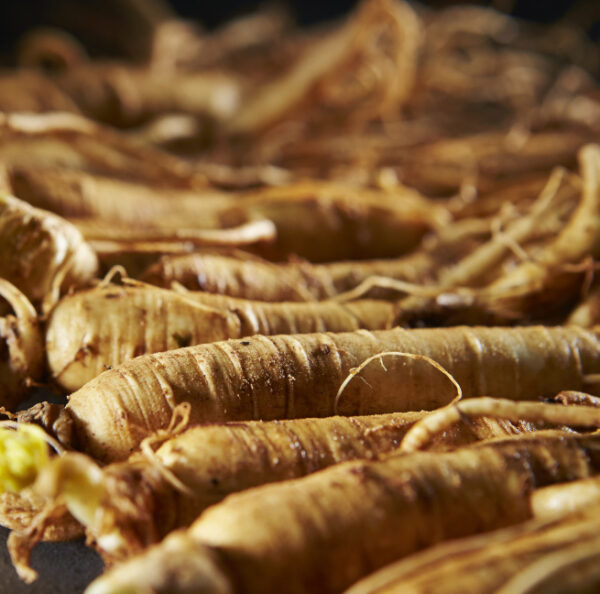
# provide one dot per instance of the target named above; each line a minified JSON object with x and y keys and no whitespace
{"x":101,"y":24}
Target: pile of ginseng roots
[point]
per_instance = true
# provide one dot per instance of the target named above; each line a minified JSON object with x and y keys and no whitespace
{"x":318,"y":309}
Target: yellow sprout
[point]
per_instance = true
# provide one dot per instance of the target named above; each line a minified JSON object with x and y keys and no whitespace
{"x":23,"y":453}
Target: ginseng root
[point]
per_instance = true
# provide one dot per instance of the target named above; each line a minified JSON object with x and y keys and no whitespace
{"x":102,"y":327}
{"x":536,"y":556}
{"x":136,"y":503}
{"x":300,"y":375}
{"x":323,"y":527}
{"x":41,"y":252}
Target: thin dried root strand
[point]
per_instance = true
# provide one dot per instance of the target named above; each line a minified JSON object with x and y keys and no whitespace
{"x":179,"y":422}
{"x":109,"y":277}
{"x":379,"y":356}
{"x":20,"y":544}
{"x":7,"y":413}
{"x":384,"y":282}
{"x":498,"y":234}
{"x":542,"y":412}
{"x":181,"y":239}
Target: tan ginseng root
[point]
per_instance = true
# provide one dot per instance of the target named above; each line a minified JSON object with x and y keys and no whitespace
{"x":323,"y":532}
{"x":85,"y":333}
{"x":508,"y":238}
{"x":21,"y":347}
{"x":457,"y":257}
{"x":319,"y":221}
{"x":240,"y":274}
{"x":277,"y":377}
{"x":41,"y":252}
{"x":128,"y":506}
{"x":462,"y":253}
{"x":71,"y":141}
{"x":549,"y":556}
{"x":116,"y":215}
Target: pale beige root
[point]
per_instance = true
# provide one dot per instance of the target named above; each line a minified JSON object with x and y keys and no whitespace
{"x":242,"y":277}
{"x":98,"y":328}
{"x":246,"y":276}
{"x":325,"y":221}
{"x":361,"y":71}
{"x":521,"y":195}
{"x":40,"y":251}
{"x":319,"y":533}
{"x":316,"y":220}
{"x":59,"y":139}
{"x":258,"y":317}
{"x":139,"y":204}
{"x":495,"y":562}
{"x":568,"y":397}
{"x":545,"y":279}
{"x":149,"y":243}
{"x":554,"y":501}
{"x":153,"y":493}
{"x":116,"y":93}
{"x":449,"y":252}
{"x":21,"y":347}
{"x":587,"y":312}
{"x":536,"y":412}
{"x":299,"y":376}
{"x":101,"y":327}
